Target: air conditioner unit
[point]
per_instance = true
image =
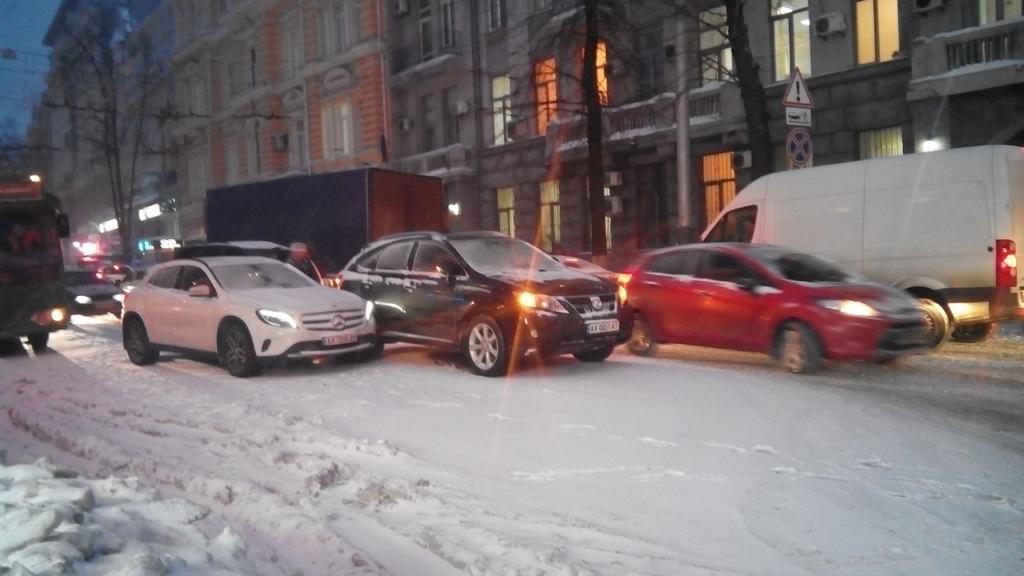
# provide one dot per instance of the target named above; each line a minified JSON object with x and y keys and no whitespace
{"x":829,"y":24}
{"x":460,"y":108}
{"x":405,"y":123}
{"x":612,"y":179}
{"x":613,"y":205}
{"x":741,"y":159}
{"x":279,"y":141}
{"x":401,"y":7}
{"x":927,"y":5}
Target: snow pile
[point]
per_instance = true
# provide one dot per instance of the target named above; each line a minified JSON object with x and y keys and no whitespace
{"x":54,"y":522}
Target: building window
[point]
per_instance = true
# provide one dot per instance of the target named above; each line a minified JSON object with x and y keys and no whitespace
{"x":452,"y":130}
{"x":429,"y":120}
{"x":990,"y":11}
{"x":507,"y":211}
{"x":448,"y":22}
{"x":197,"y":172}
{"x":501,"y":106}
{"x":256,"y":150}
{"x":497,"y":14}
{"x":602,"y":72}
{"x":347,"y":20}
{"x":338,"y":128}
{"x":426,"y":30}
{"x":253,"y":67}
{"x":715,"y":53}
{"x":881,"y":143}
{"x":791,"y":31}
{"x":231,"y":154}
{"x":297,"y":142}
{"x":235,"y":75}
{"x":718,"y":179}
{"x":545,"y":80}
{"x":878,"y":30}
{"x":291,"y":45}
{"x":607,"y":223}
{"x":196,"y":95}
{"x":550,"y":216}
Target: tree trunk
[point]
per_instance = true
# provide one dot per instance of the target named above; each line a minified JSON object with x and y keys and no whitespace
{"x":751,"y":90}
{"x":595,"y":148}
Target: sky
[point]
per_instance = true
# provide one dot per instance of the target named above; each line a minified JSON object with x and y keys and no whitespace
{"x":23,"y":24}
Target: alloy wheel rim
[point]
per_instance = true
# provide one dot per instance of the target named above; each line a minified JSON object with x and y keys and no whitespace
{"x":483,"y":346}
{"x":235,"y":350}
{"x":795,"y":352}
{"x":640,"y":340}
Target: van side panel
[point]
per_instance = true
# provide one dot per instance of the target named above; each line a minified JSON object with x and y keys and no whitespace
{"x":820,"y":211}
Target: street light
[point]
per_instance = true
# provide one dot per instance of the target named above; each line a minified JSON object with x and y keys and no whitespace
{"x":35,"y":178}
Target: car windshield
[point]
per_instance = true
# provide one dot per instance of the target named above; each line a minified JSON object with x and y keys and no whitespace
{"x":255,"y":276}
{"x":497,"y":254}
{"x":83,"y":278}
{"x":799,"y":267}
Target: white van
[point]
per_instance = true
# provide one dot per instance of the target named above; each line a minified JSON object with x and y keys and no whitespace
{"x":943,"y":226}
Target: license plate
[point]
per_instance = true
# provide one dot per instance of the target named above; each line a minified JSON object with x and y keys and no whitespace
{"x":338,"y":340}
{"x":603,"y":327}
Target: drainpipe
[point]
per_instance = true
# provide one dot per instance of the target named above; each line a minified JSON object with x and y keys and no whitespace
{"x":684,"y":219}
{"x":385,"y":93}
{"x":478,"y":133}
{"x":305,"y":89}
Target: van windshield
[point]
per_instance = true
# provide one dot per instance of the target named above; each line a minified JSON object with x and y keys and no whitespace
{"x":736,"y":226}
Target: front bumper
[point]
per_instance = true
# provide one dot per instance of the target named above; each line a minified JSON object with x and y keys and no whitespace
{"x":96,"y":308}
{"x":272,"y":342}
{"x":870,"y":339}
{"x":550,"y":334}
{"x":316,"y":349}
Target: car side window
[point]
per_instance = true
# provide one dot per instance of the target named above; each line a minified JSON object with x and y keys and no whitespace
{"x":166,"y":278}
{"x":736,"y":226}
{"x":676,"y":263}
{"x":395,"y":257}
{"x":725,"y":268}
{"x":367,"y":262}
{"x":194,"y":276}
{"x":432,"y":258}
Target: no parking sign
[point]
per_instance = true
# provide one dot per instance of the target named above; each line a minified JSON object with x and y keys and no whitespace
{"x":799,"y":148}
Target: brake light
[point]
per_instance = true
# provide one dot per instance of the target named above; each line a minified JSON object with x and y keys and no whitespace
{"x":1006,"y":264}
{"x":99,"y":275}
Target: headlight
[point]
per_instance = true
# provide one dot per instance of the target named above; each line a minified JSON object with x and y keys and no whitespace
{"x":80,"y":299}
{"x":277,"y":319}
{"x":369,"y":310}
{"x":119,"y":297}
{"x":850,"y":307}
{"x":58,"y":315}
{"x":540,"y":302}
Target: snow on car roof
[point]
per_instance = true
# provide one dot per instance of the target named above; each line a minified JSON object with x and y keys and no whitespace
{"x":214,"y":261}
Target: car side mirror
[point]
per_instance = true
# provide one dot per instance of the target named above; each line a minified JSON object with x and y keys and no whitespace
{"x":450,"y":269}
{"x":748,"y":285}
{"x":200,"y":291}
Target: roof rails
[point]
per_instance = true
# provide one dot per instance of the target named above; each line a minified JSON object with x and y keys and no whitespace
{"x":419,"y":235}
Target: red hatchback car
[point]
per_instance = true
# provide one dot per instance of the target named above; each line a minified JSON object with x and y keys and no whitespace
{"x":798,"y":308}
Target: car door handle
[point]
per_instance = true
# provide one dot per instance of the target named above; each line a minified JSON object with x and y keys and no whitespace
{"x":651,"y":283}
{"x":408,"y":287}
{"x":705,"y":293}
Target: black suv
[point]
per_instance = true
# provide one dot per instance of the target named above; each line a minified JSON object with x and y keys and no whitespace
{"x":494,"y":298}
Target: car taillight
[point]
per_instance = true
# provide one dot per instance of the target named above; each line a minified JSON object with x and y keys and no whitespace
{"x":99,"y":275}
{"x":1006,"y":264}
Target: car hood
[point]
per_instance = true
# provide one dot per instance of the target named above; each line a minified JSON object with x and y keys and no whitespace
{"x":93,"y":290}
{"x":298,"y":301}
{"x":554,"y":282}
{"x":884,"y":298}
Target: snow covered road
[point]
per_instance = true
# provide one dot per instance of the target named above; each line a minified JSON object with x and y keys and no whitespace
{"x":694,"y":462}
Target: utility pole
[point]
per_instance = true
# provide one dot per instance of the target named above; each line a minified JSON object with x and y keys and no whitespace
{"x":595,"y":136}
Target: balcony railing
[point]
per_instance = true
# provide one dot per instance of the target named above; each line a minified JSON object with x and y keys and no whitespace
{"x":454,"y":158}
{"x":627,"y":121}
{"x":937,"y":55}
{"x":411,"y":55}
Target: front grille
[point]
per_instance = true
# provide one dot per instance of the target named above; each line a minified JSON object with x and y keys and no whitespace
{"x":102,"y":297}
{"x":333,"y":320}
{"x":585,"y":305}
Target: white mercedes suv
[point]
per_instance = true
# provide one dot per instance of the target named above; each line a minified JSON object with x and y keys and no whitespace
{"x":244,"y":310}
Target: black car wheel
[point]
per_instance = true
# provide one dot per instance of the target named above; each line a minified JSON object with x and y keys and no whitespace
{"x":798,"y":348}
{"x":641,"y":340}
{"x":136,"y":343}
{"x":484,"y":347}
{"x":237,"y":354}
{"x":38,"y":342}
{"x":598,"y":355}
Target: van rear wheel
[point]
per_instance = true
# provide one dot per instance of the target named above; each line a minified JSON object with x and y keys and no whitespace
{"x":974,"y":333}
{"x":936,"y":320}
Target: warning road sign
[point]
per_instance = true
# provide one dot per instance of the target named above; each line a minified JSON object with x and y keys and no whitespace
{"x":797,"y":95}
{"x":799,"y":148}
